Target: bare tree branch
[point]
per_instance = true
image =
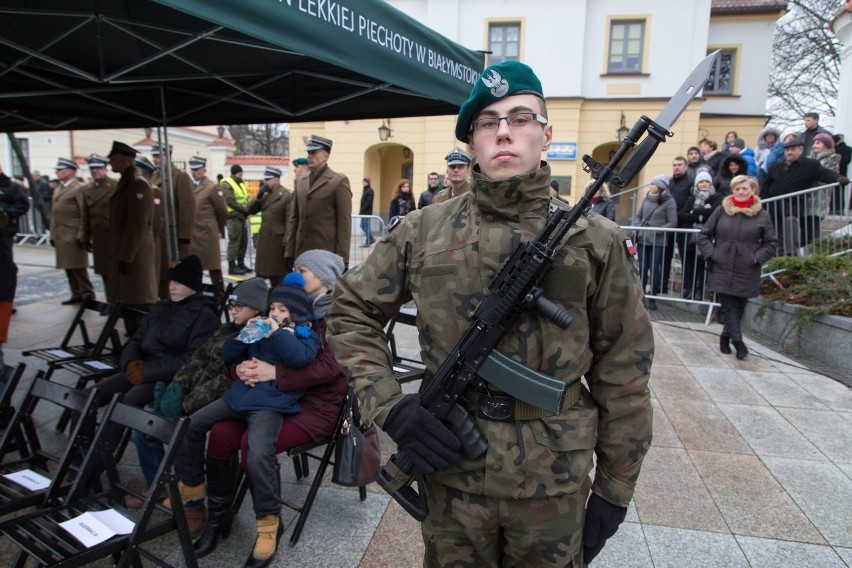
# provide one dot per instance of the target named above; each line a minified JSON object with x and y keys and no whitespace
{"x":261,"y":139}
{"x":805,"y":63}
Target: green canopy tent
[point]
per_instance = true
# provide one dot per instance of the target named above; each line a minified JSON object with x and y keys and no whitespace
{"x":140,"y":63}
{"x":101,"y":64}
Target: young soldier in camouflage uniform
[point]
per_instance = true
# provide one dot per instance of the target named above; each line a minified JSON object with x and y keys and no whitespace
{"x":523,"y":503}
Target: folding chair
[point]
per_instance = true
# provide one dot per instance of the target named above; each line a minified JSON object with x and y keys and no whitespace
{"x":405,"y":369}
{"x":96,"y":368}
{"x":34,"y":457}
{"x":66,"y":351}
{"x":38,"y":534}
{"x":300,"y":455}
{"x":9,"y":380}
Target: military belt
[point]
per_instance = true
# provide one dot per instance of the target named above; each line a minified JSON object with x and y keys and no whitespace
{"x":503,"y":408}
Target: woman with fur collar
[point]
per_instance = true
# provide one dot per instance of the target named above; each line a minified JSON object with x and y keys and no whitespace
{"x":737,"y":240}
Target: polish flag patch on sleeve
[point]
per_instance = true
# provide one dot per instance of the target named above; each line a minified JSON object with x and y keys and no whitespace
{"x":630,"y":247}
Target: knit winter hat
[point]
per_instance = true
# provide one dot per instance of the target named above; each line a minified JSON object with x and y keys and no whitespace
{"x":252,"y":292}
{"x":188,"y":272}
{"x":325,"y":265}
{"x":292,"y":294}
{"x":703,"y":176}
{"x":661,"y":182}
{"x":826,"y":139}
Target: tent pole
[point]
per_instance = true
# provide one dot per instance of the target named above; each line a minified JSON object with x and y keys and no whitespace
{"x":168,"y":203}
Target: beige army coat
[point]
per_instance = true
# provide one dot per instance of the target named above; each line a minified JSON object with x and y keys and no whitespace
{"x":68,"y":205}
{"x":210,"y":217}
{"x":184,"y":200}
{"x":95,"y":226}
{"x":275,"y":206}
{"x":321,"y":215}
{"x":131,"y":234}
{"x":444,"y":257}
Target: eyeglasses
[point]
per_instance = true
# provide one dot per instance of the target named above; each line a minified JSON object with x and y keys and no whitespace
{"x":235,"y":306}
{"x":517,"y":121}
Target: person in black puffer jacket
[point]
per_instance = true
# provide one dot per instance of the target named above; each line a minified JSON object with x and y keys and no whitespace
{"x":168,"y":335}
{"x":732,"y":165}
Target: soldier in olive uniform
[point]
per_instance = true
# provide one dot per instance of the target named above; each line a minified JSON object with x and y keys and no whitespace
{"x":184,"y":201}
{"x":458,"y":176}
{"x":210,"y":216}
{"x":71,"y":253}
{"x":133,"y":274}
{"x":94,"y":230}
{"x":274,"y":201}
{"x":523,"y":503}
{"x":145,"y":169}
{"x":321,"y":214}
{"x":236,"y":199}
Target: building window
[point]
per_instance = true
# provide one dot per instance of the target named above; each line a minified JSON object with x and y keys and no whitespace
{"x":721,"y":81}
{"x":17,"y":170}
{"x":626,"y":44}
{"x":504,"y":43}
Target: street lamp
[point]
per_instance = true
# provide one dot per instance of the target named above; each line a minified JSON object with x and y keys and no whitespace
{"x":622,"y":131}
{"x":385,"y":131}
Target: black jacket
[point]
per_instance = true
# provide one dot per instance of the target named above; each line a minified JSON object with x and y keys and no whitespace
{"x":801,"y":174}
{"x":366,"y":201}
{"x":722,"y":181}
{"x":681,"y":189}
{"x":13,"y":202}
{"x":169,"y":334}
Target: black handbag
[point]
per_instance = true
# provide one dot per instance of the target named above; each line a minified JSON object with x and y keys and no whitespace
{"x":357,"y":454}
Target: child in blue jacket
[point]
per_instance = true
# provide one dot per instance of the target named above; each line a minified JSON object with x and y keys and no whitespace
{"x":259,"y":403}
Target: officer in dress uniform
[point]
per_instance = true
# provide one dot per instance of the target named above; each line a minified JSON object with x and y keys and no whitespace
{"x":274,"y":202}
{"x":133,"y":272}
{"x":458,"y":176}
{"x":65,"y":230}
{"x":523,"y":502}
{"x":321,"y":215}
{"x":94,"y":230}
{"x":210,"y":216}
{"x":145,"y":169}
{"x":184,"y":201}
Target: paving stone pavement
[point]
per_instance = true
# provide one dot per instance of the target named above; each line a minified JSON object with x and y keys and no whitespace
{"x":750,"y":466}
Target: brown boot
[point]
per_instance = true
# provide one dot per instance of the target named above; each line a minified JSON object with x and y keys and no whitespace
{"x":269,"y":531}
{"x":195,"y":517}
{"x":188,"y":494}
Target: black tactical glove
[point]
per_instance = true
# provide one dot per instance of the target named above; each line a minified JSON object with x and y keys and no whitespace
{"x":602,"y":521}
{"x":432,"y":445}
{"x":123,"y":267}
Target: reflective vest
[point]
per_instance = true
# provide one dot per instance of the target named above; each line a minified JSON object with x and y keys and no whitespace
{"x":254,"y":223}
{"x":240,"y":192}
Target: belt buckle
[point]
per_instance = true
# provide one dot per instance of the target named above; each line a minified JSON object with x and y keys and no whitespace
{"x":497,"y":408}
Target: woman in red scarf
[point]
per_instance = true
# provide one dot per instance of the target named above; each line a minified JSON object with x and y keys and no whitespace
{"x":736,"y":240}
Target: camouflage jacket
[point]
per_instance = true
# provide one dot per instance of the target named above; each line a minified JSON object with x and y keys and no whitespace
{"x":205,"y":377}
{"x":444,"y":258}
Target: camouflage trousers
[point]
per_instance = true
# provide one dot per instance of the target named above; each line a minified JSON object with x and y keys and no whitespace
{"x":464,"y":530}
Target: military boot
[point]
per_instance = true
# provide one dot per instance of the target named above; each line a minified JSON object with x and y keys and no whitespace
{"x":242,"y":264}
{"x":742,"y":350}
{"x":725,"y":343}
{"x":234,"y":268}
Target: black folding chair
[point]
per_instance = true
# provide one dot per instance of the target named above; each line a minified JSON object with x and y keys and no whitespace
{"x":68,"y":351}
{"x":38,"y":534}
{"x":300,"y":455}
{"x":9,"y":379}
{"x":405,"y":369}
{"x":93,"y":369}
{"x":60,"y":467}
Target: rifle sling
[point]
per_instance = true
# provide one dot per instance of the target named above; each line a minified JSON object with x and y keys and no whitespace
{"x":510,"y":409}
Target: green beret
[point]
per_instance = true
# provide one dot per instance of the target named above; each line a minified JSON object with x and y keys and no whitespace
{"x":300,"y":162}
{"x":497,"y":81}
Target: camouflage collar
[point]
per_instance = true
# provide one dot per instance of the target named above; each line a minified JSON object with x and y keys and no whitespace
{"x":515,"y":195}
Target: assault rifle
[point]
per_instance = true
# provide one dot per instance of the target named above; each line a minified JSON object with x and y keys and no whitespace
{"x":518,"y":287}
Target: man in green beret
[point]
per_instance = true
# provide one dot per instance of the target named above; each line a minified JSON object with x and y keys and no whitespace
{"x":526,"y":501}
